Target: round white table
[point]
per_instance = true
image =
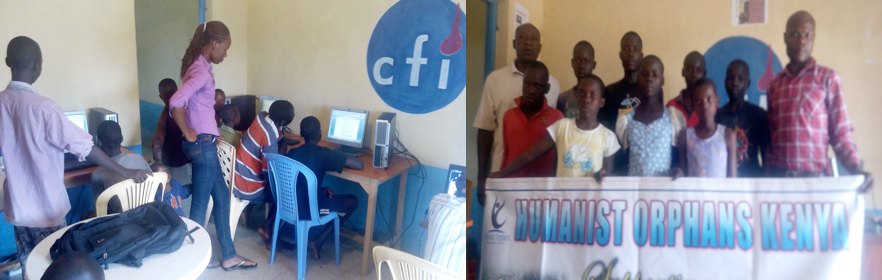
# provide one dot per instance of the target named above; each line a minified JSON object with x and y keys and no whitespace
{"x":188,"y":262}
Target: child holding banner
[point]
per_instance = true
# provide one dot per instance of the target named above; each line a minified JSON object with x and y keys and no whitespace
{"x":526,"y":123}
{"x":708,"y":149}
{"x":750,"y":122}
{"x":584,"y":147}
{"x":650,"y":131}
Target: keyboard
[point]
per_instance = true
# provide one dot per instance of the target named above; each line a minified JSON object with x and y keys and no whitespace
{"x":72,"y":163}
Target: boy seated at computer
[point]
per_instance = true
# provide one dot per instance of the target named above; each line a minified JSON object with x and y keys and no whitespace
{"x":230,"y":118}
{"x":320,"y":160}
{"x":263,"y":136}
{"x":108,"y":139}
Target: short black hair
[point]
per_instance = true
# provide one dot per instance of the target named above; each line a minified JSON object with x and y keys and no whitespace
{"x":653,"y":57}
{"x":524,"y":27}
{"x":693,"y":54}
{"x":168,"y":82}
{"x":74,"y":266}
{"x":800,"y":15}
{"x":281,"y":112}
{"x":583,"y":44}
{"x":596,"y":79}
{"x":632,"y":34}
{"x":22,"y":52}
{"x":311,"y":129}
{"x":703,"y":82}
{"x":741,"y":63}
{"x":535,"y":65}
{"x":228,"y":112}
{"x":109,"y":133}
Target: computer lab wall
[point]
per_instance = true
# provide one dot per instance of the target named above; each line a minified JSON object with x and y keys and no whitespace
{"x":89,"y":57}
{"x":314,"y":55}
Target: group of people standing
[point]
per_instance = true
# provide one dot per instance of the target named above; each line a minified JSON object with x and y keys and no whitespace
{"x":527,"y":128}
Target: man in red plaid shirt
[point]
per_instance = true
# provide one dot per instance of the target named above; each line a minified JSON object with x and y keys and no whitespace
{"x":807,"y":112}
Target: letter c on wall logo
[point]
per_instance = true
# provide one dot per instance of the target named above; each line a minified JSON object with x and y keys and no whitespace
{"x":415,"y":58}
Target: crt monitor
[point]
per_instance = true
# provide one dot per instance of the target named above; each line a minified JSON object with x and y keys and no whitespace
{"x":266,"y":102}
{"x":347,"y":127}
{"x":78,"y":118}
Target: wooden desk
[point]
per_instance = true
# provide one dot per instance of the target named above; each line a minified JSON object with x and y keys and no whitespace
{"x":79,"y":177}
{"x":188,"y":262}
{"x":370,"y":179}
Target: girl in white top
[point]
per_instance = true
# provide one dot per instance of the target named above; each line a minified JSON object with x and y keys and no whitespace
{"x":584,"y":147}
{"x":708,"y":149}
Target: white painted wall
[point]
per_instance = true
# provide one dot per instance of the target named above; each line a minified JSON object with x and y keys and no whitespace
{"x":89,"y":57}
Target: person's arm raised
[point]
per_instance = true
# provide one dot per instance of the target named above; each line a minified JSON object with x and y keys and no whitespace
{"x":538,"y":149}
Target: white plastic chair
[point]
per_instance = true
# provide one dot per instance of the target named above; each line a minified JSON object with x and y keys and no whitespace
{"x":226,"y":153}
{"x":132,"y":194}
{"x":404,"y":266}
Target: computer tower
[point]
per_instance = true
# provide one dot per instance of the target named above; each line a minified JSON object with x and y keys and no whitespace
{"x":98,"y":115}
{"x":384,"y":138}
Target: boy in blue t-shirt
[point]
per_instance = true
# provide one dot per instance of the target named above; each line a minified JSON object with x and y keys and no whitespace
{"x":321,"y":160}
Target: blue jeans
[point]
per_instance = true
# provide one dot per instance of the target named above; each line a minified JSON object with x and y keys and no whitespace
{"x":208,"y":181}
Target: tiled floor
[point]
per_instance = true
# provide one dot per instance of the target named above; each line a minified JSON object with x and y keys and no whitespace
{"x":249,"y":245}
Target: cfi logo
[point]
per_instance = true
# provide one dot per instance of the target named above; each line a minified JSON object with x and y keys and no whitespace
{"x":415,"y":58}
{"x":758,"y":55}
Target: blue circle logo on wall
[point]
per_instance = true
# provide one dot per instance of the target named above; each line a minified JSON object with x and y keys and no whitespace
{"x":763,"y":63}
{"x":415,"y":58}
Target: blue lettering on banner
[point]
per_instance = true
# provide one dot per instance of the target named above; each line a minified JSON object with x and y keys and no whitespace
{"x":783,"y":226}
{"x":415,"y":60}
{"x":745,"y":236}
{"x":675,"y":221}
{"x":618,"y":207}
{"x":641,"y":218}
{"x":603,"y":222}
{"x":657,"y":208}
{"x":708,"y":226}
{"x":690,"y":230}
{"x":551,"y":212}
{"x":727,"y":225}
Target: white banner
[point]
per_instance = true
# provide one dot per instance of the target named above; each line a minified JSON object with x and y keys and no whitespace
{"x":653,"y":228}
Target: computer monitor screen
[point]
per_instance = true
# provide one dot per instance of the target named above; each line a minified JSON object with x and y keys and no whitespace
{"x":456,"y":175}
{"x":347,"y":126}
{"x":78,"y":118}
{"x":266,"y":102}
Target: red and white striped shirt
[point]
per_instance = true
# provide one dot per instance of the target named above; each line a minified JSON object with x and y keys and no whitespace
{"x":260,"y":138}
{"x":806,"y":113}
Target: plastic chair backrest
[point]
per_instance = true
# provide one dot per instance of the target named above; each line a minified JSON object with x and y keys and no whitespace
{"x":406,"y":266}
{"x":132,"y":194}
{"x":283,"y":173}
{"x":226,"y":153}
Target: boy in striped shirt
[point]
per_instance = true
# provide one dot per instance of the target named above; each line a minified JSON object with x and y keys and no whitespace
{"x":263,"y":136}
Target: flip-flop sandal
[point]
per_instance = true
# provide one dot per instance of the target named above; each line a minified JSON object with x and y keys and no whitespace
{"x":241,"y":265}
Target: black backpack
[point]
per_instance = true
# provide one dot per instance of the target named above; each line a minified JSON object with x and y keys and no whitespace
{"x":125,"y":238}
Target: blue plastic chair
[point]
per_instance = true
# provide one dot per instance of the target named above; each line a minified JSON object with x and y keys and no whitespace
{"x":283,"y":172}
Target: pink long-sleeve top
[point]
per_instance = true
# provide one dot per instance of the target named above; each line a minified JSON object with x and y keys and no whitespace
{"x":196,"y":96}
